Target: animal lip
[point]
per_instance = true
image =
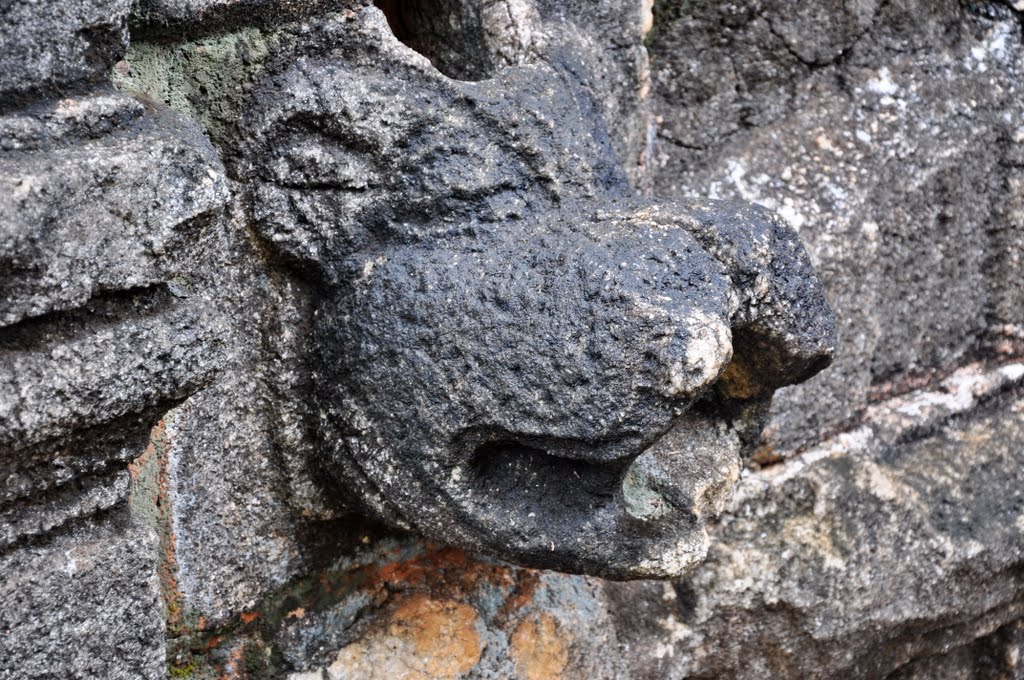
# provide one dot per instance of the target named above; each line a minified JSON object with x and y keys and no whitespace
{"x":688,"y":471}
{"x":531,"y":475}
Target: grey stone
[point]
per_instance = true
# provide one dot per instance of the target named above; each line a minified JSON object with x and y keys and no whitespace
{"x":49,"y":47}
{"x":179,"y":18}
{"x":105,"y":323}
{"x":993,"y":657}
{"x":68,"y":503}
{"x":247,"y":501}
{"x":100,"y":334}
{"x":84,"y":166}
{"x":415,"y":225}
{"x":84,"y":604}
{"x":236,"y":528}
{"x":866,"y":136}
{"x":894,"y":150}
{"x":466,"y":40}
{"x":606,"y":38}
{"x":887,"y":544}
{"x":537,"y":328}
{"x":600,"y":42}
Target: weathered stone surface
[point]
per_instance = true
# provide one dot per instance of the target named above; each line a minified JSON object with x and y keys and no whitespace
{"x":105,"y":322}
{"x":876,"y":548}
{"x":246,"y":503}
{"x":866,"y":133}
{"x":992,"y":657}
{"x":83,"y":167}
{"x":238,"y":502}
{"x":402,"y":609}
{"x":84,"y":604}
{"x":207,"y":78}
{"x":538,"y":329}
{"x":606,"y":39}
{"x":100,"y":330}
{"x":601,"y":43}
{"x":54,"y":46}
{"x":468,"y":40}
{"x":887,"y":132}
{"x":184,"y":17}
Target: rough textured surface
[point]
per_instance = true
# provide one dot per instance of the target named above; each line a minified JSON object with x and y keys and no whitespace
{"x":106,"y":210}
{"x":889,"y":136}
{"x":100,"y":331}
{"x":82,"y":167}
{"x":402,"y":609}
{"x":178,"y":18}
{"x":85,"y":604}
{"x":994,"y":656}
{"x":790,"y":585}
{"x":866,"y":135}
{"x":538,"y":329}
{"x":147,"y":290}
{"x":60,"y":45}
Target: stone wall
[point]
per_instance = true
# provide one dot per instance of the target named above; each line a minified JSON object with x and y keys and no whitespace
{"x":163,"y":514}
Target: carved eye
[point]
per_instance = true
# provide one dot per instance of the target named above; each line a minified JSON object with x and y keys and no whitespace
{"x":311,"y":162}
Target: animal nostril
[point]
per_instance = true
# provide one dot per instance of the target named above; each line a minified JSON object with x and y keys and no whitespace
{"x":738,"y":381}
{"x":695,"y":355}
{"x":764,"y":361}
{"x":786,"y":331}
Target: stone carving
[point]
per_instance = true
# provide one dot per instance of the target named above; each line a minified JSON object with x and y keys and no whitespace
{"x":511,"y":352}
{"x":99,"y":334}
{"x":252,"y":253}
{"x":506,"y":349}
{"x":107,"y":319}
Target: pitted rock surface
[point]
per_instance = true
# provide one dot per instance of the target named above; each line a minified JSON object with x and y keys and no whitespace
{"x":864,"y":134}
{"x":503,"y":334}
{"x":147,"y":289}
{"x":61,"y":46}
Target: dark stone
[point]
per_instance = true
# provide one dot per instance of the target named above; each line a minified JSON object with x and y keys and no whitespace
{"x":437,"y":299}
{"x":100,"y":328}
{"x":50,"y":47}
{"x":506,"y":342}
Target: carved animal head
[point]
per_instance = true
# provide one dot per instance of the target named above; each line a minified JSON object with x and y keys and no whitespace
{"x":513,"y":353}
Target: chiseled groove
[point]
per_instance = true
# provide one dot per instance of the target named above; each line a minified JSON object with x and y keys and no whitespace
{"x":38,"y":470}
{"x":121,"y":353}
{"x":103,"y":309}
{"x":27,"y":293}
{"x":34,"y":517}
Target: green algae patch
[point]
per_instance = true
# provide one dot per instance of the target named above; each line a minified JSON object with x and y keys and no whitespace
{"x":208,"y":79}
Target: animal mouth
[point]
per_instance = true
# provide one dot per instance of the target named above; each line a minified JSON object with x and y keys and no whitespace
{"x":632,"y":507}
{"x":625,"y":509}
{"x":509,"y":470}
{"x":684,"y":473}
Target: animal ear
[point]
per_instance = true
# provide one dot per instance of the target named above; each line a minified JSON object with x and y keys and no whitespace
{"x":351,"y":143}
{"x":314,"y":156}
{"x":337,"y":155}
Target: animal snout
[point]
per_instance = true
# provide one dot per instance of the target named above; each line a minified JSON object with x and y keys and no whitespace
{"x":746,"y":310}
{"x":695,"y":355}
